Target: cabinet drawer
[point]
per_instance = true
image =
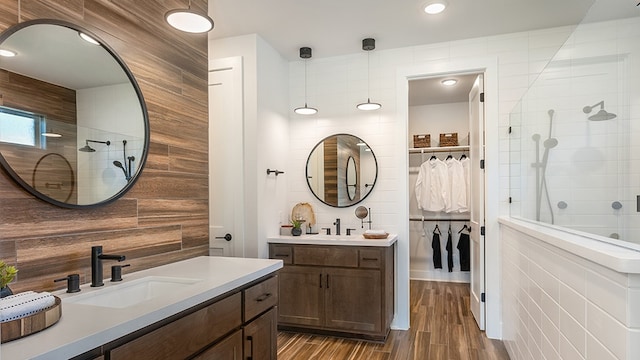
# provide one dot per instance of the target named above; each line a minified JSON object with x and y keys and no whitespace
{"x":326,"y":256}
{"x":185,"y":336}
{"x":260,"y":297}
{"x":230,"y":348}
{"x":282,"y":252}
{"x":370,"y":258}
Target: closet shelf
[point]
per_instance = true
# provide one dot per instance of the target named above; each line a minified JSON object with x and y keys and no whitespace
{"x":429,"y":150}
{"x":420,"y":218}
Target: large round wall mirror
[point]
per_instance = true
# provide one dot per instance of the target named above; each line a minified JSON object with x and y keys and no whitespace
{"x":341,"y":170}
{"x":65,"y":92}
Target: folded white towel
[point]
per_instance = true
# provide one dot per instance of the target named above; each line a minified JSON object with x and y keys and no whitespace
{"x":24,"y":304}
{"x":375,"y":232}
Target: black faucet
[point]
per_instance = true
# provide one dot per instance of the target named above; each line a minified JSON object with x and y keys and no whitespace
{"x":96,"y":264}
{"x":337,"y":224}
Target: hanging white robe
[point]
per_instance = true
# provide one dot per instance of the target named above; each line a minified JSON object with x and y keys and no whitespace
{"x":467,"y":181}
{"x":457,"y":187}
{"x":431,"y":186}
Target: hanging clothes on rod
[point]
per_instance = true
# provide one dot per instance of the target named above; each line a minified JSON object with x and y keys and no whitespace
{"x":431,"y":185}
{"x":435,"y":245}
{"x":449,"y":250}
{"x":457,"y":188}
{"x":463,"y":248}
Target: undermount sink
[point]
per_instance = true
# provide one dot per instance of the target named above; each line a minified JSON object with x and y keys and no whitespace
{"x":134,"y":292}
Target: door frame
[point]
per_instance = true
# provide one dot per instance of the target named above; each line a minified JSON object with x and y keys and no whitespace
{"x":493,"y":289}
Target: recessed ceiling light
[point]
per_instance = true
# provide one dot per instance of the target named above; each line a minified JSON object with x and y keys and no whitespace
{"x":7,"y":53}
{"x":89,"y":39}
{"x":449,"y":82}
{"x":435,"y":7}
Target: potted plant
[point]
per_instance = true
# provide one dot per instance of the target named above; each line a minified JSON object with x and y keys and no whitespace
{"x":7,"y":273}
{"x":296,"y":230}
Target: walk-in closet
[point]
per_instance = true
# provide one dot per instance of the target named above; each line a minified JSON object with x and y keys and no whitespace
{"x":439,"y":178}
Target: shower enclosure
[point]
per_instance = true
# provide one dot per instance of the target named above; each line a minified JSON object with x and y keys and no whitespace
{"x":574,"y":159}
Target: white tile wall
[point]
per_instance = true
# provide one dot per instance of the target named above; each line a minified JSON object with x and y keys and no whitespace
{"x":565,"y":306}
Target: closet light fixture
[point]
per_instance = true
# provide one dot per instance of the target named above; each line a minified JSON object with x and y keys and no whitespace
{"x":435,"y":7}
{"x":189,"y":20}
{"x":7,"y":53}
{"x":449,"y":82}
{"x":368,"y":44}
{"x":305,"y":53}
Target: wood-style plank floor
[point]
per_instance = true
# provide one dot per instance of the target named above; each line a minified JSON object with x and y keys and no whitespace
{"x":442,"y":327}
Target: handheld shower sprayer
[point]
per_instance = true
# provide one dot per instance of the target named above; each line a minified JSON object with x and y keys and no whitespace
{"x":126,"y":160}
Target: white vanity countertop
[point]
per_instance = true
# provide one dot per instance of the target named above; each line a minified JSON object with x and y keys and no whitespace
{"x":85,"y":327}
{"x":343,"y":240}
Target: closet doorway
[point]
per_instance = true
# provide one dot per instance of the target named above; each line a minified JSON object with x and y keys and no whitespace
{"x":446,"y":182}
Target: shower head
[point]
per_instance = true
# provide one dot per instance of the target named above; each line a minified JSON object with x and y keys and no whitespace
{"x":550,"y":143}
{"x":119,"y":164}
{"x":87,"y":148}
{"x":601,"y":115}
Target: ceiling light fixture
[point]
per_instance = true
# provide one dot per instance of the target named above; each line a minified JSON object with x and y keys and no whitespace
{"x":188,"y":20}
{"x":449,"y":82}
{"x":7,"y":53}
{"x":305,"y":53}
{"x":88,"y":39}
{"x":435,"y":7}
{"x":368,"y":44}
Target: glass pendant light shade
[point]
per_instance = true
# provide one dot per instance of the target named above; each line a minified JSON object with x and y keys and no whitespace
{"x":368,"y":44}
{"x":189,"y":20}
{"x":305,"y":53}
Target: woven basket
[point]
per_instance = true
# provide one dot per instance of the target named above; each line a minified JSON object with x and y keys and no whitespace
{"x":449,"y":139}
{"x":422,"y":141}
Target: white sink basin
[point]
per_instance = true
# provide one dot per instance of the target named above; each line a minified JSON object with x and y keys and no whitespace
{"x":134,"y":292}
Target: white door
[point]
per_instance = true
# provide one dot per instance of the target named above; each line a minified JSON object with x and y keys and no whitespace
{"x":226,"y":210}
{"x":476,"y":154}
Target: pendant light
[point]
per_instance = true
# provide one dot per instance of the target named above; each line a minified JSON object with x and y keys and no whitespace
{"x":305,"y":53}
{"x":188,"y":20}
{"x":368,"y":44}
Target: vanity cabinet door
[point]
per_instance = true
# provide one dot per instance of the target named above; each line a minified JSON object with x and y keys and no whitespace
{"x":260,"y":337}
{"x":229,"y":349}
{"x":187,"y":335}
{"x":353,"y":300}
{"x":301,"y":296}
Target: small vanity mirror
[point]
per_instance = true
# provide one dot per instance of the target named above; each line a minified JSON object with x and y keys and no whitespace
{"x":341,"y":170}
{"x":73,"y":124}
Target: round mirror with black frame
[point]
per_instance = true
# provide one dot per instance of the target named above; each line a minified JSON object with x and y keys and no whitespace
{"x":66,"y":92}
{"x":341,"y":170}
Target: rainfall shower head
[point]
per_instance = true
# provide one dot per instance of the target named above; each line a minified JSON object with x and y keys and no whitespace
{"x":601,"y":115}
{"x":87,"y":148}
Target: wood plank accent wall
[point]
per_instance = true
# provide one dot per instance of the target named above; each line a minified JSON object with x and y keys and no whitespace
{"x":164,"y":218}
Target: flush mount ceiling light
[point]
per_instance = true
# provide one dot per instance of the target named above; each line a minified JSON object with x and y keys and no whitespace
{"x":7,"y":53}
{"x":449,"y":82}
{"x":435,"y":7}
{"x":368,"y":44}
{"x":188,"y":20}
{"x":305,"y":53}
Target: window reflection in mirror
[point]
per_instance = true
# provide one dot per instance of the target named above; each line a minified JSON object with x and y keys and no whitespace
{"x":330,"y":177}
{"x":74,"y":104}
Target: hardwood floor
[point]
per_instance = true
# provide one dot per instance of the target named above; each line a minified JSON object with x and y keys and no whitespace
{"x":442,"y":327}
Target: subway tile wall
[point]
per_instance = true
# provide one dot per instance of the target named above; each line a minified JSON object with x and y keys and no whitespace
{"x":557,"y":305}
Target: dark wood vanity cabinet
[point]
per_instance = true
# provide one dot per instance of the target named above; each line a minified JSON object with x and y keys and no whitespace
{"x":344,"y":290}
{"x":241,"y":325}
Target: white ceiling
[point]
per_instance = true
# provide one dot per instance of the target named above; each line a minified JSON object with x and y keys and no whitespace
{"x":336,"y":27}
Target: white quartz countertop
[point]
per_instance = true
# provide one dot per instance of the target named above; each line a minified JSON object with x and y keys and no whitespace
{"x":85,"y":327}
{"x":343,"y":240}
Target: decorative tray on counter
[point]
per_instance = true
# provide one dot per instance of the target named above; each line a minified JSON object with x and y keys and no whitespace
{"x":375,"y":236}
{"x":19,"y":328}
